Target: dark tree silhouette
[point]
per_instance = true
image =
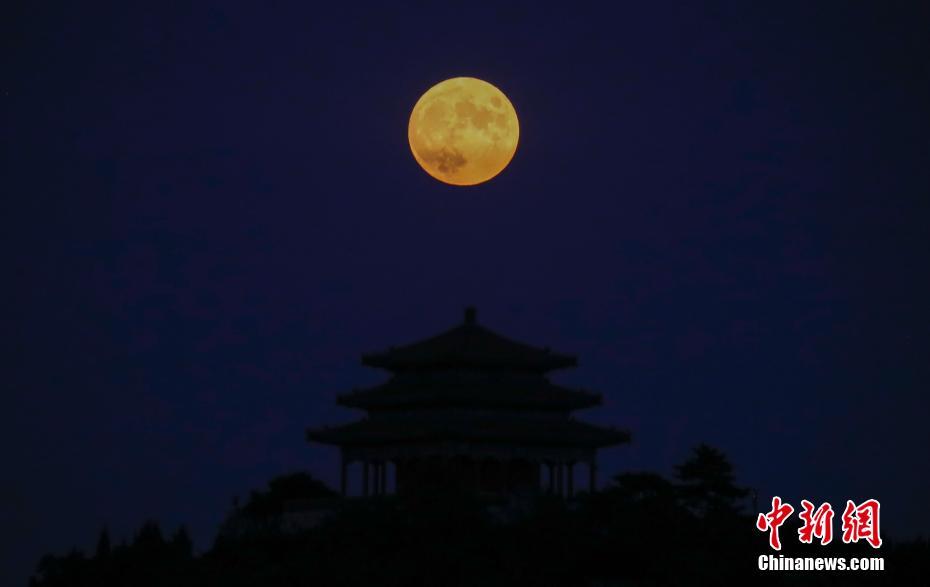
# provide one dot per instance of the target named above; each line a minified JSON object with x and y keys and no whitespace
{"x":54,"y":571}
{"x":643,"y":529}
{"x":707,"y":483}
{"x":284,"y":489}
{"x":181,"y":544}
{"x":642,"y":486}
{"x":103,"y":544}
{"x":149,"y":536}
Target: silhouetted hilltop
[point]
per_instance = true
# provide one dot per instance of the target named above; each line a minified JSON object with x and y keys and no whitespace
{"x":643,"y":529}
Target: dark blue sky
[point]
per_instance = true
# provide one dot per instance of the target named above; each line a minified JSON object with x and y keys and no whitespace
{"x":210,"y":213}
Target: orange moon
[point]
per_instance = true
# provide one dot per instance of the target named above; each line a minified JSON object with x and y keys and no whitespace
{"x":463,"y":131}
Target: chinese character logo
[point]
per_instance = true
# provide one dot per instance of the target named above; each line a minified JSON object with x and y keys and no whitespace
{"x":861,"y":522}
{"x":817,"y":524}
{"x":773,"y":520}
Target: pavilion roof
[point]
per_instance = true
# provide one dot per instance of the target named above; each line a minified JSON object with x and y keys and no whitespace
{"x":469,"y":345}
{"x":455,"y":389}
{"x":566,"y":432}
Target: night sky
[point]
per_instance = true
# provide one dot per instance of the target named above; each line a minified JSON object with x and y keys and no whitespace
{"x":210,"y":213}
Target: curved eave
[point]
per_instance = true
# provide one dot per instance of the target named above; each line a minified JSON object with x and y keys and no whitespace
{"x":373,"y":400}
{"x":369,"y":433}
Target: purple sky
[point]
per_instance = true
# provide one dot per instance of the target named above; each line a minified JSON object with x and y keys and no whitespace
{"x":210,"y":213}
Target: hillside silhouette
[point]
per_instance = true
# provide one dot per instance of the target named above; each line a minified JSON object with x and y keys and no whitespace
{"x":642,"y":529}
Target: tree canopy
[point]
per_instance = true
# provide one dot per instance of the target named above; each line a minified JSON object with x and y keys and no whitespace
{"x":642,"y":529}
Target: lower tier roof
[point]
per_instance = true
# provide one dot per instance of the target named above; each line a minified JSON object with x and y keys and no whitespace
{"x":464,"y":428}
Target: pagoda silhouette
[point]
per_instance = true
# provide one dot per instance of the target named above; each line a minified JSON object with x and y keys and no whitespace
{"x":472,"y":410}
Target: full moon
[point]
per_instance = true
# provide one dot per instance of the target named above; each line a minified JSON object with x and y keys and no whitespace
{"x":463,"y":131}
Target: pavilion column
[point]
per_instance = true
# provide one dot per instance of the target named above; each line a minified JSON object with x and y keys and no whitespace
{"x":365,"y":486}
{"x":559,"y":479}
{"x":448,"y":471}
{"x":592,"y":476}
{"x":342,"y":476}
{"x":382,"y":482}
{"x":570,"y":474}
{"x":551,"y":468}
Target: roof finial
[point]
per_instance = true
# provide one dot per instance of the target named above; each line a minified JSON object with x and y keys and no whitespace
{"x":470,"y":315}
